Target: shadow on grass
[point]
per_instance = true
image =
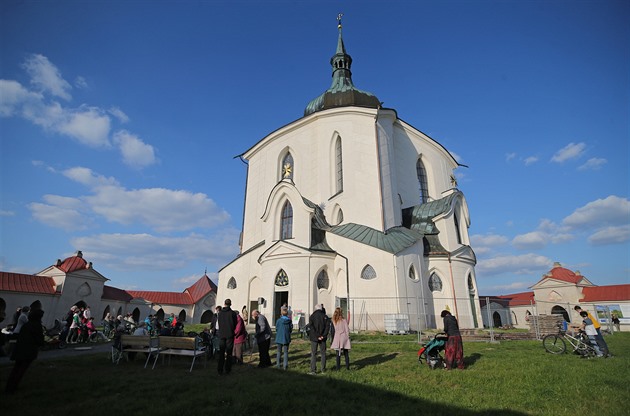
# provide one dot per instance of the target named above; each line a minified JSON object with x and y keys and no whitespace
{"x":108,"y":389}
{"x":470,"y":360}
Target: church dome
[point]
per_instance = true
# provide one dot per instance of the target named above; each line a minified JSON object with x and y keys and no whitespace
{"x":342,"y":92}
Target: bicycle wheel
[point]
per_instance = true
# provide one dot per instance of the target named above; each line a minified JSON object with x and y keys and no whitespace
{"x":554,"y":344}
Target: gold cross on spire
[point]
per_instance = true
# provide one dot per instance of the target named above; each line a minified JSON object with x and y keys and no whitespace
{"x":339,"y":16}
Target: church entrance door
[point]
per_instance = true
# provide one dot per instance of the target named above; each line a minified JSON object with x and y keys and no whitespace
{"x":280,"y":298}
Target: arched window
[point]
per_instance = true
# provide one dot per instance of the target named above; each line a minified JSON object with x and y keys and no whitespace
{"x":339,"y":216}
{"x":435,"y":283}
{"x":457,"y":229}
{"x":286,"y":221}
{"x":231,"y":283}
{"x":287,"y":167}
{"x":338,"y":166}
{"x":322,"y":280}
{"x":422,"y":180}
{"x":368,"y":273}
{"x":282,"y":279}
{"x":412,"y":273}
{"x":471,"y":285}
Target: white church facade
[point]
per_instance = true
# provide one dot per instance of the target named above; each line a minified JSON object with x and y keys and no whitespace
{"x":350,"y":206}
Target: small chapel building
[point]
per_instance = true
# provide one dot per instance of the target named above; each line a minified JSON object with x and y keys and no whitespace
{"x":349,"y":206}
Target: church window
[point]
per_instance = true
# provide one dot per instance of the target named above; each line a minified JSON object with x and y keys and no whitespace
{"x":435,"y":283}
{"x":412,"y":273}
{"x":322,"y":280}
{"x":231,"y":283}
{"x":286,"y":221}
{"x":282,"y":279}
{"x":422,"y":180}
{"x":471,"y":285}
{"x":457,"y":229}
{"x":368,"y":273}
{"x":339,"y":217}
{"x":287,"y":167}
{"x":338,"y":166}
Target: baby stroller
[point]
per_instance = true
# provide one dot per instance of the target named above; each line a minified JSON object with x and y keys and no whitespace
{"x":431,"y":352}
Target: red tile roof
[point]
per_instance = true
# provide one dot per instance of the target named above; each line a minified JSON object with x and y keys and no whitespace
{"x":560,"y":273}
{"x":28,"y":283}
{"x":606,"y":293}
{"x":201,"y":288}
{"x":113,"y":293}
{"x":518,"y":299}
{"x":72,"y":264}
{"x":164,"y":298}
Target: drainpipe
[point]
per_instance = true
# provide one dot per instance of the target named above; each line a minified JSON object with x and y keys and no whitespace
{"x":450,"y":268}
{"x":347,"y":289}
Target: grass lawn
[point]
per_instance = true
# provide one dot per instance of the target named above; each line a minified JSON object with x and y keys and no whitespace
{"x":510,"y":378}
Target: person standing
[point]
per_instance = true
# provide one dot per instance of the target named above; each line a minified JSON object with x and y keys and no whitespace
{"x":244,"y":314}
{"x":341,"y":339}
{"x":616,"y":323}
{"x":284,"y":327}
{"x":30,"y":338}
{"x":454,"y":350}
{"x":603,"y":346}
{"x":318,"y":333}
{"x":240,"y":336}
{"x":589,"y":329}
{"x":227,"y":324}
{"x":263,"y":338}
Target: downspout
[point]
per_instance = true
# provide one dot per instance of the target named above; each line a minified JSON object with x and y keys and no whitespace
{"x":378,"y":161}
{"x":347,"y":289}
{"x":450,"y":268}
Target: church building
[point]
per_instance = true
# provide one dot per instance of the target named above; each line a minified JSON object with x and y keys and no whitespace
{"x":350,"y":206}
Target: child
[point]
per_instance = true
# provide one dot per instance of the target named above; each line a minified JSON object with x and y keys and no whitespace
{"x":591,"y":332}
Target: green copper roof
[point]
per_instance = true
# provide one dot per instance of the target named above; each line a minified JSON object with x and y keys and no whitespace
{"x":422,"y":215}
{"x":393,"y":240}
{"x":342,"y":92}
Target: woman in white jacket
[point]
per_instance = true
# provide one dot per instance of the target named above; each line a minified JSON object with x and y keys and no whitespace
{"x":341,"y":339}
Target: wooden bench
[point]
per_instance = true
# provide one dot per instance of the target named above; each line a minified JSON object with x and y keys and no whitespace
{"x":182,"y":346}
{"x":137,"y":343}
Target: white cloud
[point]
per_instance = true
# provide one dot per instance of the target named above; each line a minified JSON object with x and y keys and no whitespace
{"x":89,"y":125}
{"x":13,"y":96}
{"x":163,"y":210}
{"x":135,"y":152}
{"x":60,"y":212}
{"x":508,"y":264}
{"x":46,"y":77}
{"x":593,"y":163}
{"x":514,"y":287}
{"x":570,"y":151}
{"x":119,"y":114}
{"x":610,"y":235}
{"x":80,"y":82}
{"x":5,"y":213}
{"x":532,"y":240}
{"x":148,"y":252}
{"x":612,"y":210}
{"x":509,"y":156}
{"x":488,"y":240}
{"x":530,"y":160}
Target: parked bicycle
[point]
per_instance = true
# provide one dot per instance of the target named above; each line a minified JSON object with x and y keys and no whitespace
{"x":557,"y":343}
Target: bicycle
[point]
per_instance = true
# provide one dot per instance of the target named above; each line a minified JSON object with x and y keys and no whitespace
{"x":556,"y":344}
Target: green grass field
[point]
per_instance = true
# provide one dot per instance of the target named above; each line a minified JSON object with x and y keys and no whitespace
{"x":510,"y":378}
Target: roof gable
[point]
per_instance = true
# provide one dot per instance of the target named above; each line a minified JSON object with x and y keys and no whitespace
{"x":27,"y":283}
{"x":201,"y":288}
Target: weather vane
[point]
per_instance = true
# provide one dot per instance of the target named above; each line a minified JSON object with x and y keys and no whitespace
{"x":339,"y":16}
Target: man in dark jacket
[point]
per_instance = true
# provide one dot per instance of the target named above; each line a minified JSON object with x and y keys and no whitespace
{"x":30,"y":338}
{"x":227,"y":325}
{"x":318,"y":322}
{"x":263,"y":338}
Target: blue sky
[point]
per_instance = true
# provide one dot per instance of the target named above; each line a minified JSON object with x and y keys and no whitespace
{"x":120,"y":120}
